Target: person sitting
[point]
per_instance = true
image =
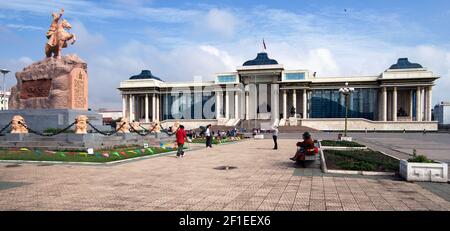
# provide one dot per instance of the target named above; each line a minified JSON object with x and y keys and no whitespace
{"x":303,"y":147}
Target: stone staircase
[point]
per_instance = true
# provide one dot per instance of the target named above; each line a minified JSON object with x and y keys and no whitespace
{"x":295,"y":129}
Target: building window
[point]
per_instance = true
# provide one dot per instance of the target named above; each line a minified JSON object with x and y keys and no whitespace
{"x":331,"y":104}
{"x":226,"y":78}
{"x":294,"y":76}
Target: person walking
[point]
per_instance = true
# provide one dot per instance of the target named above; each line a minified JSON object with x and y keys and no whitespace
{"x":181,"y":137}
{"x":275,"y":137}
{"x":208,"y":136}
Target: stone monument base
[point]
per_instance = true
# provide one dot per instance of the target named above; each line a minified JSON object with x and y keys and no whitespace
{"x":70,"y":141}
{"x":42,"y":119}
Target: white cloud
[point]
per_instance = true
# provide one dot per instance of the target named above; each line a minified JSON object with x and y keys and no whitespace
{"x":24,"y":27}
{"x":86,"y":40}
{"x":221,"y":21}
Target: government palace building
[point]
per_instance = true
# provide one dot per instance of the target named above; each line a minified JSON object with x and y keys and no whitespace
{"x":261,"y":94}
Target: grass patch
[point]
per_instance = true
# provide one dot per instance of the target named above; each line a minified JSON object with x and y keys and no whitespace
{"x":360,"y":160}
{"x":340,"y":143}
{"x":100,"y":156}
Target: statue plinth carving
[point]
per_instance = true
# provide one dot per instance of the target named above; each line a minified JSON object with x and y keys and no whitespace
{"x":175,"y":126}
{"x":123,"y":126}
{"x":81,"y":124}
{"x":17,"y":125}
{"x":136,"y":126}
{"x":156,"y":127}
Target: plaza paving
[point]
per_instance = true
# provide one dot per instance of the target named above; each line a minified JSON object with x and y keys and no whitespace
{"x":263,"y":180}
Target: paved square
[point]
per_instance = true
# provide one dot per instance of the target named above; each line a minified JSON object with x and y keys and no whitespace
{"x":263,"y":180}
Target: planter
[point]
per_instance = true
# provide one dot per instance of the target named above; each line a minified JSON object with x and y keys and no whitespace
{"x":434,"y":172}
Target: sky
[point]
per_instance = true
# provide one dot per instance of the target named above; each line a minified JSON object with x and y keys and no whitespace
{"x":182,"y":40}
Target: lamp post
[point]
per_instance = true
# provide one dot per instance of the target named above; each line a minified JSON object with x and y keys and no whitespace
{"x":4,"y":72}
{"x":346,"y":91}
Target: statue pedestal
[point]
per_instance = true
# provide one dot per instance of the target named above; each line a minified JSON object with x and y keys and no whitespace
{"x":15,"y":136}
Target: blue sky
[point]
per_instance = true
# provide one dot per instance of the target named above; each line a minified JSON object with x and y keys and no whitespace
{"x":178,"y":40}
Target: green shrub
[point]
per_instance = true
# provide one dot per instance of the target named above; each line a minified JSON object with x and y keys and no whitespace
{"x":340,"y":143}
{"x":419,"y":158}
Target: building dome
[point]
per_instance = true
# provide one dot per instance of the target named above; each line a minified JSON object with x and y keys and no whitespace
{"x":261,"y":59}
{"x":403,"y":63}
{"x":145,"y":74}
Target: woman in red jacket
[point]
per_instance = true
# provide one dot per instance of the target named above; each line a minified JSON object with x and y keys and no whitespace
{"x":304,"y":147}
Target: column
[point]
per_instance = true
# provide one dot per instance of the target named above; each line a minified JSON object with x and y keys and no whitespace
{"x":394,"y":104}
{"x":124,"y":105}
{"x":157,"y":107}
{"x":418,"y":105}
{"x":246,"y":106}
{"x":429,"y":102}
{"x":285,"y":104}
{"x":294,"y":101}
{"x":146,"y":108}
{"x":217,"y":105}
{"x":236,"y":105}
{"x":304,"y":111}
{"x":131,"y":113}
{"x":384,"y":105}
{"x":423,"y":104}
{"x":411,"y":104}
{"x":153,"y":107}
{"x":227,"y":104}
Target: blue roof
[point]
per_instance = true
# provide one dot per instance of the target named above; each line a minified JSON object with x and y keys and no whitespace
{"x":261,"y":59}
{"x":403,"y":63}
{"x":145,"y":74}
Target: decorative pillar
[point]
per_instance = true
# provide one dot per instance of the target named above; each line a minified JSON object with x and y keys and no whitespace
{"x":227,"y":104}
{"x":157,"y":107}
{"x":246,"y":106}
{"x":429,"y":102}
{"x":411,"y":105}
{"x":217,"y":104}
{"x":236,"y":105}
{"x":394,"y":104}
{"x":153,"y":107}
{"x":294,"y":101}
{"x":384,"y":105}
{"x":285,"y":104}
{"x":423,"y":104}
{"x":418,"y":105}
{"x":131,"y":113}
{"x":304,"y":111}
{"x":146,"y":108}
{"x":124,"y":105}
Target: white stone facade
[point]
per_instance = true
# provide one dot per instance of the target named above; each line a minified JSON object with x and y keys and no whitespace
{"x":397,"y":99}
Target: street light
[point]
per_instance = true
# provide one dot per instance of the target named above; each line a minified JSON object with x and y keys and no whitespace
{"x":4,"y":72}
{"x":346,"y":91}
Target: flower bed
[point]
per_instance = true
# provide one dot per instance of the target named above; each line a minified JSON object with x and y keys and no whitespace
{"x":340,"y":143}
{"x":101,"y":156}
{"x":360,"y":160}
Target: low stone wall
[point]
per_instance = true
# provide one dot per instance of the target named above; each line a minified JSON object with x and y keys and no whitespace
{"x":363,"y":124}
{"x":79,"y":141}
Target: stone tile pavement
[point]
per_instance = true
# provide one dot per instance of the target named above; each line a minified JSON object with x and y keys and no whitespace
{"x":263,"y":180}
